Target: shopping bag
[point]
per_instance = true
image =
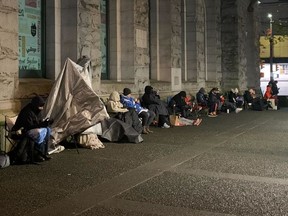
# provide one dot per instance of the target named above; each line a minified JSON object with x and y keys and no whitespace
{"x":174,"y":120}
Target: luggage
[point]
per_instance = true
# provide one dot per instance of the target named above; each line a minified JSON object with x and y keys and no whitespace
{"x":4,"y":160}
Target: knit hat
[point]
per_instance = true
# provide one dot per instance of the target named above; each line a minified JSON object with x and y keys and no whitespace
{"x":126,"y":91}
{"x":182,"y":94}
{"x":38,"y":101}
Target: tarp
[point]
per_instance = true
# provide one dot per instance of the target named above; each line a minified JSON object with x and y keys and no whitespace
{"x":72,"y":103}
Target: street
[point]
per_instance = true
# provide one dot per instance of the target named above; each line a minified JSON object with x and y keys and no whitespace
{"x":234,"y":164}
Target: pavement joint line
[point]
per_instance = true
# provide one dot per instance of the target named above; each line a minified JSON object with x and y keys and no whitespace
{"x":232,"y":176}
{"x":245,"y":129}
{"x":124,"y":182}
{"x":157,"y":209}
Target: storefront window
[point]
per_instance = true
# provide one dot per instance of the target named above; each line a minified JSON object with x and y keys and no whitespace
{"x":30,"y":38}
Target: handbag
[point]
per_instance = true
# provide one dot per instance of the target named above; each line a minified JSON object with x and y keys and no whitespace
{"x":4,"y":160}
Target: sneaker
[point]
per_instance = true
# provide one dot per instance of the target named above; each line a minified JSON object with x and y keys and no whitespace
{"x":211,"y":115}
{"x":165,"y":125}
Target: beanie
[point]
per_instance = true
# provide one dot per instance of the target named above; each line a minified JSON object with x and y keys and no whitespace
{"x":126,"y":91}
{"x":38,"y":101}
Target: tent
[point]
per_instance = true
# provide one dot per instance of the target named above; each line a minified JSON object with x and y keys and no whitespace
{"x":72,"y":103}
{"x":75,"y":108}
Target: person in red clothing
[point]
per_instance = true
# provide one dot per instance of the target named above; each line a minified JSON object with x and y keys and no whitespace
{"x":270,"y":97}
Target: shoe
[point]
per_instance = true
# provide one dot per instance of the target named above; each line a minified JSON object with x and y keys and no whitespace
{"x":197,"y":122}
{"x":165,"y":125}
{"x":39,"y":158}
{"x":145,"y":131}
{"x":149,"y":131}
{"x":212,"y":115}
{"x":46,"y":157}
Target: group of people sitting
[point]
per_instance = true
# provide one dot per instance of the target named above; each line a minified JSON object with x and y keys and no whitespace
{"x":150,"y":108}
{"x":139,"y":113}
{"x":215,"y":102}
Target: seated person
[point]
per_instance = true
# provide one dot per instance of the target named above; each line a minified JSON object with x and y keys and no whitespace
{"x":270,"y":97}
{"x":213,"y":102}
{"x":116,"y":108}
{"x":202,"y":98}
{"x":257,"y":103}
{"x":179,"y":104}
{"x":29,"y":124}
{"x":151,"y":100}
{"x":147,"y":116}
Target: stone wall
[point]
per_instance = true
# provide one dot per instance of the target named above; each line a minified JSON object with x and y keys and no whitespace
{"x":237,"y":41}
{"x":8,"y":51}
{"x":89,"y":36}
{"x":141,"y":58}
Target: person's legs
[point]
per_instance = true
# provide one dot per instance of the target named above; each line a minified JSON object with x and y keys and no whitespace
{"x":151,"y":117}
{"x":144,"y":116}
{"x":40,"y":136}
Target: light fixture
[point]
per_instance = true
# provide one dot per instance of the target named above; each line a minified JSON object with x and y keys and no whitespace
{"x":269,"y":15}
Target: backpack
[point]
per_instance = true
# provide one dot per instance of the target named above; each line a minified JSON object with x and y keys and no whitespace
{"x":4,"y":160}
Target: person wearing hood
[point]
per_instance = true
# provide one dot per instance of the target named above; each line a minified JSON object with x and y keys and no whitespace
{"x":30,"y":124}
{"x":114,"y":105}
{"x":179,"y":104}
{"x":116,"y":109}
{"x":201,"y":98}
{"x":152,"y":101}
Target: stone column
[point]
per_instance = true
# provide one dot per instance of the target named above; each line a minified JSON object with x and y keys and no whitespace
{"x":89,"y":36}
{"x":196,"y":23}
{"x":129,"y":41}
{"x":8,"y":52}
{"x":236,"y":45}
{"x":213,"y":41}
{"x":53,"y":39}
{"x":166,"y":42}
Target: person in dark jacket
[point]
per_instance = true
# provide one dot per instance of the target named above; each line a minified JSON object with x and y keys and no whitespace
{"x":213,"y":102}
{"x":180,"y":105}
{"x":151,"y":100}
{"x":29,"y":124}
{"x":201,"y":98}
{"x":131,"y":103}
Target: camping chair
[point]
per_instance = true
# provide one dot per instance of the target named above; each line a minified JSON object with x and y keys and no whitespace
{"x":10,"y":143}
{"x":12,"y":139}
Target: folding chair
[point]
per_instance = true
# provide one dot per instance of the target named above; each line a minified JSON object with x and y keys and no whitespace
{"x":10,"y":143}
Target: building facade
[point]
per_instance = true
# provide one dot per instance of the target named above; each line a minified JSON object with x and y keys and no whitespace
{"x":172,"y":45}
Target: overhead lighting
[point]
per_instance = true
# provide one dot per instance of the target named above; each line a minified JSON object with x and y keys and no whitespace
{"x":269,"y":15}
{"x":259,"y":2}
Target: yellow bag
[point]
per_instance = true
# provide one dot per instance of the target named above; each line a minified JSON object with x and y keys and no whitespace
{"x":174,"y":120}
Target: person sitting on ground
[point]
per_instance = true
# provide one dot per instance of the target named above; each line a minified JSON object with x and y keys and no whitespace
{"x":257,"y":103}
{"x":270,"y":97}
{"x":151,"y":100}
{"x":130,"y":103}
{"x":116,"y":109}
{"x":202,"y":98}
{"x":213,"y":102}
{"x":29,"y":124}
{"x":178,"y":102}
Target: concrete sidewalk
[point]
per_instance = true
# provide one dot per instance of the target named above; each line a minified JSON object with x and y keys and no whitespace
{"x":235,"y":164}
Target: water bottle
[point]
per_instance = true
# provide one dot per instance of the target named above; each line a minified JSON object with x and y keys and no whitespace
{"x":228,"y":111}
